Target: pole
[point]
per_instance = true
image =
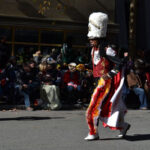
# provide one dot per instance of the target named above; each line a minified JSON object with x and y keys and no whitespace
{"x":132,"y":28}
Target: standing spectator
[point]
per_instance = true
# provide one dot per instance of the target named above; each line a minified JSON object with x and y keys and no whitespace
{"x":67,"y":52}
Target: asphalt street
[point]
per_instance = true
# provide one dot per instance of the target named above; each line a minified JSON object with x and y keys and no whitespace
{"x":65,"y":130}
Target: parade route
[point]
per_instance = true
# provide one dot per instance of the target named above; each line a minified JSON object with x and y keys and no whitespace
{"x":65,"y":130}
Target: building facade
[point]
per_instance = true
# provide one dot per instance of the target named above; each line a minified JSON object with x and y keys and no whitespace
{"x":28,"y":30}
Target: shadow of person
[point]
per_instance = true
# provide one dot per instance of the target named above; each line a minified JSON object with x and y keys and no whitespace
{"x":29,"y":118}
{"x":110,"y":139}
{"x":137,"y":137}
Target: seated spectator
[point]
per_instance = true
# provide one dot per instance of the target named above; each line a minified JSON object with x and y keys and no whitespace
{"x":12,"y":72}
{"x":49,"y":91}
{"x":86,"y":80}
{"x":33,"y":67}
{"x":59,"y":75}
{"x":42,"y":67}
{"x":18,"y":81}
{"x":36,"y":84}
{"x":71,"y":83}
{"x":87,"y":86}
{"x":29,"y":86}
{"x":134,"y":83}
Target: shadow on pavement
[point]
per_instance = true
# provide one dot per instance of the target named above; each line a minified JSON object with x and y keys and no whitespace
{"x":31,"y":118}
{"x":107,"y":139}
{"x":138,"y":137}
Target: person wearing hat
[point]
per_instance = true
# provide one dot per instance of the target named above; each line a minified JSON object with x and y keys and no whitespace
{"x":106,"y":103}
{"x":49,"y":91}
{"x":71,"y":81}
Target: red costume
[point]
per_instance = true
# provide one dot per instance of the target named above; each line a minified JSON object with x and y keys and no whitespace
{"x":106,"y":102}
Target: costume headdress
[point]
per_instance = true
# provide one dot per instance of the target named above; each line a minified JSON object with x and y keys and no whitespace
{"x":97,"y":25}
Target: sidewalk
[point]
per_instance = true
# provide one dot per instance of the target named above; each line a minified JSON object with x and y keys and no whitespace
{"x":4,"y":106}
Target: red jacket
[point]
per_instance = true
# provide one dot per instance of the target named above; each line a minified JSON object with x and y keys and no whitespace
{"x":67,"y":77}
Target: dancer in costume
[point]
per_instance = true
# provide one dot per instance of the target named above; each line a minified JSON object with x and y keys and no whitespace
{"x":106,"y":103}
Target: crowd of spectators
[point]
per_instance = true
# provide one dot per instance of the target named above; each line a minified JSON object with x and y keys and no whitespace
{"x":60,"y":78}
{"x":48,"y":81}
{"x":136,"y":92}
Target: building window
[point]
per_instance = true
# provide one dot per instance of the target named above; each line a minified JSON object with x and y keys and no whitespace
{"x":26,"y":35}
{"x":76,"y":37}
{"x":52,"y":37}
{"x":22,"y":40}
{"x":6,"y":32}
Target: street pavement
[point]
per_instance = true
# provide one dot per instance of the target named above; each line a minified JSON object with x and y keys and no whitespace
{"x":65,"y":130}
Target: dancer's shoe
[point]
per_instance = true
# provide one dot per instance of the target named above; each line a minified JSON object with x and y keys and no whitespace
{"x":92,"y":137}
{"x":123,"y":132}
